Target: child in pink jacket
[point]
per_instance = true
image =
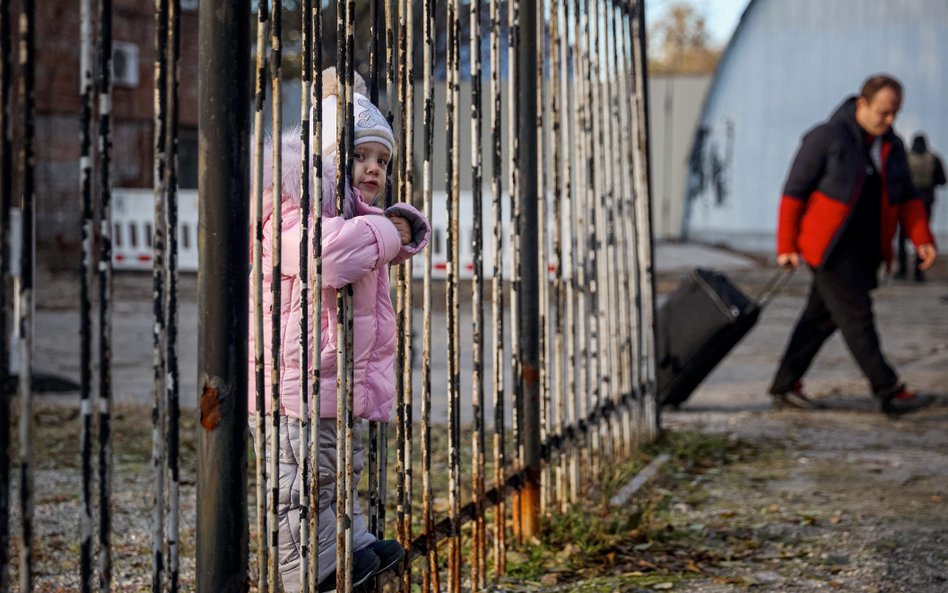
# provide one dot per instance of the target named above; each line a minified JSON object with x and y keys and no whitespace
{"x":357,"y":249}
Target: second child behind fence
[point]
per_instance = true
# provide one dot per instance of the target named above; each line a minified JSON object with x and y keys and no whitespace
{"x":357,"y":248}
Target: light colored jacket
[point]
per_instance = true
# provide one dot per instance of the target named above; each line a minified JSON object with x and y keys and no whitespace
{"x":356,"y":250}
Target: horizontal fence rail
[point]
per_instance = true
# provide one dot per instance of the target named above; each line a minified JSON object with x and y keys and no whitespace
{"x":540,"y":232}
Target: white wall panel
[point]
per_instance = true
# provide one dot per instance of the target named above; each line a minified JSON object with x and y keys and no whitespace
{"x":788,"y":67}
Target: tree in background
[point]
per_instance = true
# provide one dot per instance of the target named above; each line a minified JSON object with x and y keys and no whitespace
{"x":679,"y":44}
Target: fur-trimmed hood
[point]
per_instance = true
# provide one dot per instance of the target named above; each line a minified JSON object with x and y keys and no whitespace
{"x":291,"y":170}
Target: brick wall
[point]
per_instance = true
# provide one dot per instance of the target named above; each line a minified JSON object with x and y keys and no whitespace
{"x":57,"y":109}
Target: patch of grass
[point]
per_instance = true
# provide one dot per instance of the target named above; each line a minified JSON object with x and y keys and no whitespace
{"x":638,"y":540}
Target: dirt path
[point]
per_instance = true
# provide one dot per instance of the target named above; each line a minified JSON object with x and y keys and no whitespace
{"x":847,"y":499}
{"x":843,"y":499}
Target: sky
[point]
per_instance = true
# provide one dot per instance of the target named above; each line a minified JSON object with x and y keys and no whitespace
{"x":721,"y":16}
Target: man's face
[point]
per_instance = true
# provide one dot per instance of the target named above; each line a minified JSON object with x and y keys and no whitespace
{"x":877,"y":115}
{"x":369,"y":169}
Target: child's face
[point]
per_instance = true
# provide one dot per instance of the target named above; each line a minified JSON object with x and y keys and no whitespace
{"x":369,"y":169}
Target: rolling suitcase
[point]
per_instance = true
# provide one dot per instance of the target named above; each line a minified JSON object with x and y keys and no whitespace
{"x":702,"y":320}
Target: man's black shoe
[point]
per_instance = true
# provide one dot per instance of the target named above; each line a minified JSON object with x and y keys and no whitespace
{"x":795,"y":398}
{"x":920,"y":276}
{"x":364,"y":564}
{"x":903,"y":401}
{"x":390,"y":553}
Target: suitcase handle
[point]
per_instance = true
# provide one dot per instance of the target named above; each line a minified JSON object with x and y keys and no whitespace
{"x":774,"y":285}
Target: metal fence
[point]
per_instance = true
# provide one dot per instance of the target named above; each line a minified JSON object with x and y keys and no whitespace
{"x":573,"y":215}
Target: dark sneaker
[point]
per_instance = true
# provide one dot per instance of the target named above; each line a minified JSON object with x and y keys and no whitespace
{"x":364,"y":564}
{"x":390,"y":553}
{"x":903,"y":401}
{"x":900,"y":275}
{"x":920,"y":276}
{"x":795,"y":398}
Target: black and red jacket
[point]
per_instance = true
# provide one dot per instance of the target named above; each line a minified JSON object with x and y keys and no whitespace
{"x":826,"y":181}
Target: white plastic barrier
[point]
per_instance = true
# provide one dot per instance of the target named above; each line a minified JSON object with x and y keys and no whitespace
{"x":133,"y":215}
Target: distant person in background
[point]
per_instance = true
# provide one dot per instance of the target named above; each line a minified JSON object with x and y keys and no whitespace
{"x":928,"y":172}
{"x":847,"y":189}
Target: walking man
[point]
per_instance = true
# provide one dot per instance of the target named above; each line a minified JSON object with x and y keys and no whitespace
{"x":848,"y":188}
{"x":928,"y":172}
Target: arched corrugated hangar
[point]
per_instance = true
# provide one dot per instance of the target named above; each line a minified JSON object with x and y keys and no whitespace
{"x":787,"y":67}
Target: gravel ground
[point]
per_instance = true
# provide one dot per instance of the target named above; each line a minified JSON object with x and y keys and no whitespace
{"x":846,"y":500}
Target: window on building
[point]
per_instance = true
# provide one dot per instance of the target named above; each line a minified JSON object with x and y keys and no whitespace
{"x":187,"y":159}
{"x":124,"y":64}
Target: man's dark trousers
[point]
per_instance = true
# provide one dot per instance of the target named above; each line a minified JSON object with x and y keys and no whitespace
{"x":839,"y":298}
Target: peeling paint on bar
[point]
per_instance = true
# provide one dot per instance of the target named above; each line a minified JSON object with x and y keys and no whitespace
{"x":104,"y":70}
{"x":173,"y":408}
{"x":497,"y":288}
{"x":86,"y":175}
{"x":308,"y":317}
{"x":276,"y":250}
{"x":312,"y":492}
{"x":263,"y":550}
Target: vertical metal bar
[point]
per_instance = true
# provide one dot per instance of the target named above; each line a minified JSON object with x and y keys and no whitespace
{"x":570,"y":464}
{"x":478,"y":563}
{"x":312,"y":493}
{"x":558,"y":160}
{"x":407,"y":81}
{"x":600,"y":205}
{"x":452,"y":186}
{"x":430,"y":574}
{"x":618,"y":195}
{"x":395,"y":30}
{"x":627,"y":322}
{"x":260,"y":446}
{"x":601,"y":375}
{"x":396,"y":60}
{"x":105,"y":293}
{"x":579,"y":213}
{"x":528,"y":319}
{"x":513,"y":121}
{"x":591,"y":335}
{"x":542,"y":173}
{"x":644,"y":214}
{"x":6,"y":203}
{"x":497,"y":288}
{"x":171,"y":345}
{"x":393,"y":93}
{"x":276,"y":251}
{"x":609,"y":218}
{"x":633,"y":289}
{"x":25,"y":321}
{"x":345,"y":15}
{"x":86,"y":68}
{"x":159,"y":183}
{"x":307,"y":317}
{"x":373,"y":464}
{"x":223,"y":73}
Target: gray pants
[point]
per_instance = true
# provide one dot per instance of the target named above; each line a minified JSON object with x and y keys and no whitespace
{"x":288,"y":505}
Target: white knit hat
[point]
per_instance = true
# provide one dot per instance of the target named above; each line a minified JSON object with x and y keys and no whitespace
{"x":370,"y":124}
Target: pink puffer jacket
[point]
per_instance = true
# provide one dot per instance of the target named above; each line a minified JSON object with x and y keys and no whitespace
{"x":356,"y":251}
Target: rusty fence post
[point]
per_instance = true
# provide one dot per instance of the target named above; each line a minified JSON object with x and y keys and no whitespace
{"x":528,"y":319}
{"x":222,"y":296}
